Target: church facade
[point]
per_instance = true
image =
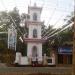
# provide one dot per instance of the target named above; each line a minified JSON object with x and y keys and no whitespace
{"x":33,"y":40}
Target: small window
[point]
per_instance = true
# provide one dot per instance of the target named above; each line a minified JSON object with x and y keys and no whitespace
{"x":49,"y":60}
{"x":35,"y":16}
{"x":35,"y":33}
{"x":28,"y":17}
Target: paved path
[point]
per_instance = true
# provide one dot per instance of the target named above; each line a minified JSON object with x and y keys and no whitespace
{"x":51,"y":70}
{"x":2,"y":65}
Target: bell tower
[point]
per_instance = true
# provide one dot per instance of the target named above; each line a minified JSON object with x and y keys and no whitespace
{"x":34,"y":40}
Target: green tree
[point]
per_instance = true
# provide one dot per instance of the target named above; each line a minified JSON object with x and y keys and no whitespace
{"x":6,"y":20}
{"x":7,"y":56}
{"x":47,"y":45}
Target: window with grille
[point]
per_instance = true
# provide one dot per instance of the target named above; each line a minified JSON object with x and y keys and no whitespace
{"x":35,"y":16}
{"x":35,"y":33}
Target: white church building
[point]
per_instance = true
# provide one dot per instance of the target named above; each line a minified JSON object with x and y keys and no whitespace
{"x":34,"y":40}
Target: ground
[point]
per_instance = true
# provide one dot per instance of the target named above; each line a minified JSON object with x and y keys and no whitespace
{"x":35,"y":70}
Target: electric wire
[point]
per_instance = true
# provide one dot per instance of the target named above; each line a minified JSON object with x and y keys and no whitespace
{"x":60,"y":31}
{"x":55,"y":31}
{"x":12,"y":19}
{"x":54,"y":24}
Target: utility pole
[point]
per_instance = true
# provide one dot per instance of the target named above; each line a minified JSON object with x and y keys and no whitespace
{"x":73,"y":65}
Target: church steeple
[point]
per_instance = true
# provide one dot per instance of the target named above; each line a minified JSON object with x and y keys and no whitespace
{"x":34,"y":12}
{"x":34,"y":41}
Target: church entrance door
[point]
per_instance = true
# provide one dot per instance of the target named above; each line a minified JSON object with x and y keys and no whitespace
{"x":34,"y":55}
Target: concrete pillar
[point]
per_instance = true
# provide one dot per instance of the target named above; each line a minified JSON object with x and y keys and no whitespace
{"x":45,"y":60}
{"x":18,"y":57}
{"x":30,"y":60}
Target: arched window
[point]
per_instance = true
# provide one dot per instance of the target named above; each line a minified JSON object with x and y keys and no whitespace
{"x":34,"y":51}
{"x":35,"y":33}
{"x":28,"y":17}
{"x":35,"y":16}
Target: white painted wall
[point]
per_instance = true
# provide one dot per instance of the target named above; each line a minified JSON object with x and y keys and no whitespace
{"x":39,"y":50}
{"x":53,"y":61}
{"x":35,"y":11}
{"x":31,"y":28}
{"x":18,"y":57}
{"x":24,"y":61}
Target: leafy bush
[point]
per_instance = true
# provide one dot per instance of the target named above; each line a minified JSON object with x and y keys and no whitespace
{"x":7,"y":56}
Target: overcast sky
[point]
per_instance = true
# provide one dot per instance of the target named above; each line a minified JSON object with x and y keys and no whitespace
{"x":53,"y":13}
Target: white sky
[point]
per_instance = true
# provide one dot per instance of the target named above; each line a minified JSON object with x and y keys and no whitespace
{"x":53,"y":13}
